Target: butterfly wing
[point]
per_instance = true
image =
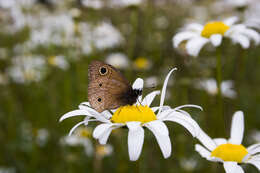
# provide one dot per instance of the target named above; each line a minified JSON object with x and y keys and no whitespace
{"x":106,"y":87}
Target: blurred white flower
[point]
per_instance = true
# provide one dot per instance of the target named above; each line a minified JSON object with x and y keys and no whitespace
{"x":104,"y":150}
{"x":161,"y":22}
{"x":26,"y":69}
{"x":96,"y":4}
{"x":84,"y":41}
{"x":55,"y":29}
{"x":75,"y":12}
{"x":105,"y":35}
{"x":252,"y":15}
{"x":102,"y":36}
{"x":230,"y":152}
{"x":124,"y":3}
{"x":197,"y":35}
{"x":7,"y":3}
{"x":42,"y":136}
{"x":210,"y":86}
{"x":188,"y":164}
{"x":118,"y":60}
{"x":7,"y":170}
{"x":151,"y":81}
{"x":255,"y":136}
{"x":58,"y":61}
{"x":237,"y":3}
{"x":81,"y":137}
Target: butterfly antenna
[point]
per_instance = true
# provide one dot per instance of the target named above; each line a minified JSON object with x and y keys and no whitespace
{"x":138,"y":108}
{"x":119,"y":111}
{"x":140,"y":102}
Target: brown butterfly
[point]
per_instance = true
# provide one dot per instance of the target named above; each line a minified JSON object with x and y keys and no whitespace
{"x":108,"y":88}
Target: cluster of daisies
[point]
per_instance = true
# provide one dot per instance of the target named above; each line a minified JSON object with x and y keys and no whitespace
{"x":142,"y":115}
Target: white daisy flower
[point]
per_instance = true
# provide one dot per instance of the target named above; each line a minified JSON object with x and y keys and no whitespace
{"x":213,"y":32}
{"x":135,"y":118}
{"x":252,"y":15}
{"x":105,"y":35}
{"x":59,"y":61}
{"x":124,"y":3}
{"x":27,"y":69}
{"x":118,"y":60}
{"x":210,"y":86}
{"x":95,"y":4}
{"x":104,"y":150}
{"x":230,"y":152}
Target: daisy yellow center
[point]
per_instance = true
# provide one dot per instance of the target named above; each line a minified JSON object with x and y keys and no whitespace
{"x":230,"y":152}
{"x":214,"y":28}
{"x":141,"y":63}
{"x":128,"y":113}
{"x":102,"y":150}
{"x":51,"y":60}
{"x":84,"y":132}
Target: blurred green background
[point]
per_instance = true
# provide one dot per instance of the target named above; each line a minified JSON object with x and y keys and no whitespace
{"x":45,"y":49}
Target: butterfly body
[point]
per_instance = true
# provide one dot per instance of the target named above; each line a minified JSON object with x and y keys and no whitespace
{"x":108,"y":88}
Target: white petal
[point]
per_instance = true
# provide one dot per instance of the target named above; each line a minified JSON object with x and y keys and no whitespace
{"x":202,"y":151}
{"x":184,"y":112}
{"x":237,"y":128}
{"x":164,"y":114}
{"x":104,"y":137}
{"x":76,"y":126}
{"x":98,"y":115}
{"x":101,"y":129}
{"x":255,"y":162}
{"x":156,"y":108}
{"x":85,"y":111}
{"x":227,"y":89}
{"x":161,"y":134}
{"x":182,"y":36}
{"x":185,"y":121}
{"x":189,"y":106}
{"x":106,"y":114}
{"x":138,"y":85}
{"x":74,"y":113}
{"x":253,"y":149}
{"x":149,"y":98}
{"x":232,"y":167}
{"x":135,"y":140}
{"x":206,"y":140}
{"x":216,"y":39}
{"x":85,"y":104}
{"x":195,"y":27}
{"x":194,"y":45}
{"x":252,"y":35}
{"x":241,"y":39}
{"x":220,"y":141}
{"x":231,"y":20}
{"x":164,"y":89}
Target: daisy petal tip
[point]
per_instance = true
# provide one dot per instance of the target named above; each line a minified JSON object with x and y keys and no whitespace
{"x":61,"y":119}
{"x":199,"y":107}
{"x":138,"y":83}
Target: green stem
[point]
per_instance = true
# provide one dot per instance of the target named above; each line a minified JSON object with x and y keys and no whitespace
{"x":220,"y":116}
{"x":134,"y":20}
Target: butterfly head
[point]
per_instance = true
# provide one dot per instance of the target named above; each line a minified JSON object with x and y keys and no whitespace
{"x":138,"y":92}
